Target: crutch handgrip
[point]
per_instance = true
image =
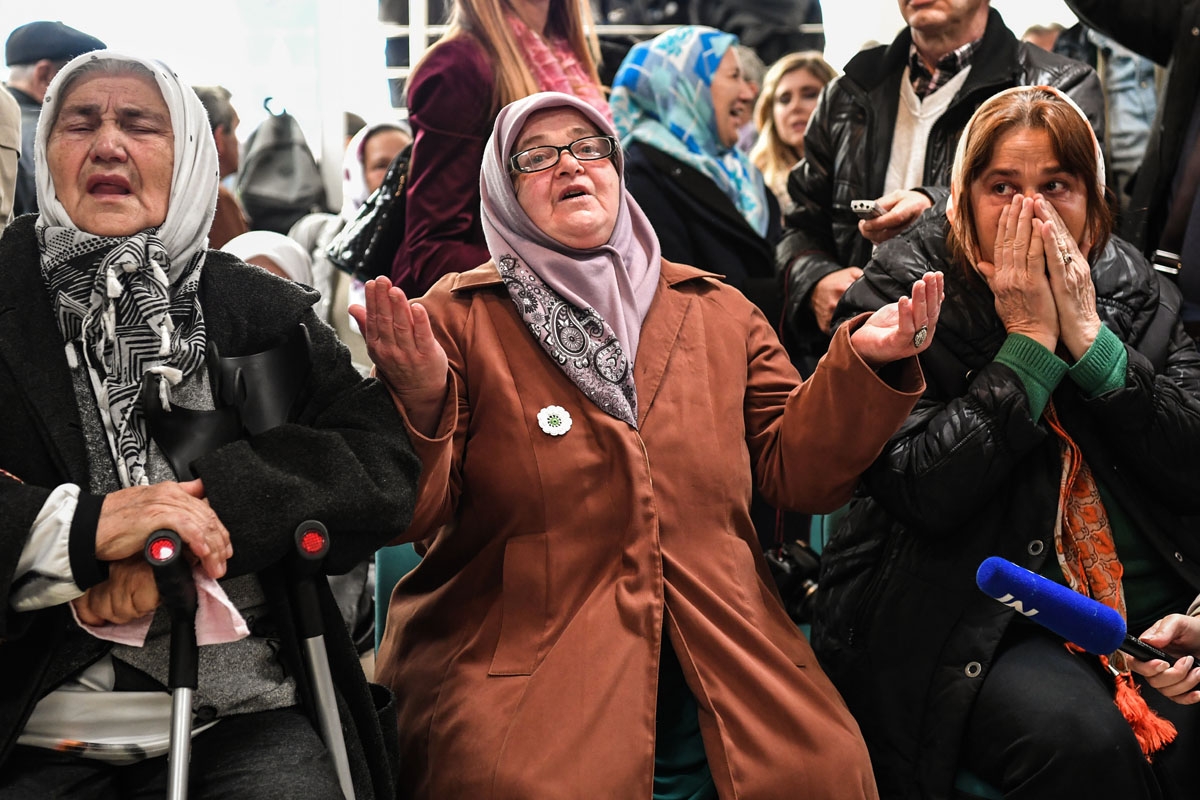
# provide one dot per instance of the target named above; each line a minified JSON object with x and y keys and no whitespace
{"x":177,"y":591}
{"x":312,"y":545}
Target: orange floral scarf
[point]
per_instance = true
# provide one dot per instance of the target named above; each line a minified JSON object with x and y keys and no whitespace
{"x":1083,"y":540}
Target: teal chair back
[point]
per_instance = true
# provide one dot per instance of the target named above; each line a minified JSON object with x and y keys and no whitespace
{"x":391,"y":564}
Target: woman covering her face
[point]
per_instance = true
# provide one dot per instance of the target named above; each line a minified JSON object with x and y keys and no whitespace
{"x":119,"y":330}
{"x":592,"y":609}
{"x":1058,"y":430}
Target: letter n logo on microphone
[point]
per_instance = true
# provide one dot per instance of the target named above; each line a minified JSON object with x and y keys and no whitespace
{"x":1016,"y":605}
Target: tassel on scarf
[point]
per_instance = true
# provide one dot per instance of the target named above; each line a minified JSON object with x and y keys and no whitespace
{"x":1152,"y":731}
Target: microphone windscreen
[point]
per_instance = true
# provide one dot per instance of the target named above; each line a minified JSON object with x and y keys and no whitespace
{"x":1079,"y":619}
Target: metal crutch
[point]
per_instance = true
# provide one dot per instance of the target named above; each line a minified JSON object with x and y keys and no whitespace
{"x":177,"y":591}
{"x":312,"y":544}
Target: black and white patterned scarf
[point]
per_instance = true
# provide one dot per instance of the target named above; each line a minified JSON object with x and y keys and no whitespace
{"x":131,"y":302}
{"x":579,"y":341}
{"x":113,"y":296}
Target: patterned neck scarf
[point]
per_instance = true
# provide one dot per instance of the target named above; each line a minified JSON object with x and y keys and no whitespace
{"x":662,"y":96}
{"x":1083,"y":540}
{"x":581,"y":343}
{"x":924,"y":82}
{"x":132,"y":302}
{"x":600,"y":295}
{"x":555,"y":67}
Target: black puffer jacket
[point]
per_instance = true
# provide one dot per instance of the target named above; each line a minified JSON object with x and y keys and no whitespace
{"x":900,"y":626}
{"x":849,"y":142}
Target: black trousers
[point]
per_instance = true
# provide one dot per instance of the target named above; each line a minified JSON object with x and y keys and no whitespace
{"x":271,"y":755}
{"x":1045,"y":726}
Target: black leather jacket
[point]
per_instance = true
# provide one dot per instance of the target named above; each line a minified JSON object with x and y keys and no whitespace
{"x":1168,"y":33}
{"x":900,"y":625}
{"x":849,"y":142}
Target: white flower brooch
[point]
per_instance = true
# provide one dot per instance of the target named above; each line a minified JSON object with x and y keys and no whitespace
{"x":554,"y":420}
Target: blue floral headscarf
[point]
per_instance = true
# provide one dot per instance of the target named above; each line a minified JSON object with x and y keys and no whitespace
{"x":662,"y":96}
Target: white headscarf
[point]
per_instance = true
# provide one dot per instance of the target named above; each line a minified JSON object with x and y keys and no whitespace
{"x":354,"y":175}
{"x":194,"y":181}
{"x":132,"y":302}
{"x":284,"y":251}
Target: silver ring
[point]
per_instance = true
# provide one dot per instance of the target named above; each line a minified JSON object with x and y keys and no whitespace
{"x":920,"y":336}
{"x":1066,"y":257}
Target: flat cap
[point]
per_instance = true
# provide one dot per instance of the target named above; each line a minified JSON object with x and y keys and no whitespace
{"x":34,"y":41}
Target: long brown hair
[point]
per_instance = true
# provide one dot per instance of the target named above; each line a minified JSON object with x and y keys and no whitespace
{"x":770,"y":154}
{"x":1073,"y":143}
{"x":484,"y":21}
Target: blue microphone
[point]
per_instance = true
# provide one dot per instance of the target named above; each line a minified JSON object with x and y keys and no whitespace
{"x":1077,"y":618}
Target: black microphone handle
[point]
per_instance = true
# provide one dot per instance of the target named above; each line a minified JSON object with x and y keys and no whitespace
{"x":1142,"y":651}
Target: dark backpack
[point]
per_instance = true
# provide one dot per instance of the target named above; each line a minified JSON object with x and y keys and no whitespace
{"x":279,"y":181}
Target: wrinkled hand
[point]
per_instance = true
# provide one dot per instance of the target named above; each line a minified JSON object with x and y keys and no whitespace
{"x":1018,"y":278}
{"x":903,"y":206}
{"x":887,"y":335}
{"x":129,"y":593}
{"x":828,"y":291}
{"x":408,"y":357}
{"x":1178,"y":681}
{"x":1070,"y":280}
{"x":129,"y":516}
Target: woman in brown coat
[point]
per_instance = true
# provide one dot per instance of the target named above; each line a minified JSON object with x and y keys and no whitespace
{"x":593,"y":615}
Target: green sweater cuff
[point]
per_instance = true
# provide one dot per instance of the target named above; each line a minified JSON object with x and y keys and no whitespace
{"x":1038,"y":368}
{"x":1102,"y":368}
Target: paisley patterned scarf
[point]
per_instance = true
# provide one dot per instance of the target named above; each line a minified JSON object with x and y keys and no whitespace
{"x":581,"y":343}
{"x":1083,"y":540}
{"x":584,"y":307}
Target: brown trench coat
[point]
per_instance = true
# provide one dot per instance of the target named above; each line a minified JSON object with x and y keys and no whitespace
{"x":524,"y":648}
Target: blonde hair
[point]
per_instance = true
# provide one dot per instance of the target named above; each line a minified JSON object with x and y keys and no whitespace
{"x":484,"y":21}
{"x":770,"y":154}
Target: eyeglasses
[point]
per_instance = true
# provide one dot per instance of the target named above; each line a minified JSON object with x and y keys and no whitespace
{"x":589,"y":148}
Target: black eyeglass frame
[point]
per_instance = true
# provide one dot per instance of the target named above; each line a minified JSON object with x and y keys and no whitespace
{"x":558,"y":151}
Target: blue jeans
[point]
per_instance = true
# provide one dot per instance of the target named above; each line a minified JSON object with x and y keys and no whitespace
{"x":271,"y":755}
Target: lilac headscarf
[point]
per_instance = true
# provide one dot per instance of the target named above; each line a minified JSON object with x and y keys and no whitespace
{"x":617,"y":279}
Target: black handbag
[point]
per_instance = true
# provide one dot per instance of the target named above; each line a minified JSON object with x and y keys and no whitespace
{"x":367,"y":244}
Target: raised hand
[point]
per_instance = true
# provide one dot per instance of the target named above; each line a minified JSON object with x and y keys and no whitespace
{"x":828,"y":291}
{"x":1070,"y":281}
{"x":129,"y":593}
{"x":1018,"y":277}
{"x":407,"y":356}
{"x":128,"y":517}
{"x":903,"y":328}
